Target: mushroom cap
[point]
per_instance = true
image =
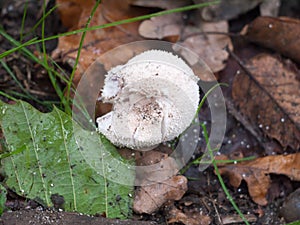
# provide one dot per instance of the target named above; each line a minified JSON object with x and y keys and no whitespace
{"x":155,"y":97}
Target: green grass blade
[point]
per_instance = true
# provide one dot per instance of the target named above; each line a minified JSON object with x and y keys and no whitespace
{"x":70,"y":82}
{"x":42,"y":19}
{"x":44,"y":63}
{"x":23,"y":21}
{"x":10,"y":72}
{"x":294,"y":223}
{"x":229,"y":197}
{"x":8,"y":96}
{"x":206,"y":95}
{"x":49,"y":69}
{"x":17,"y":44}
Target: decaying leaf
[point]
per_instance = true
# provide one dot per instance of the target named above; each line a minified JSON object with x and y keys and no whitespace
{"x":188,"y":218}
{"x":209,"y":47}
{"x":150,"y":198}
{"x":256,"y":173}
{"x":279,"y":34}
{"x":270,"y":99}
{"x":162,"y":26}
{"x":74,"y":15}
{"x":162,"y":167}
{"x":229,"y":9}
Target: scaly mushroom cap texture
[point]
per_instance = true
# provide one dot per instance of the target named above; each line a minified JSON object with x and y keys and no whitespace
{"x":155,"y":97}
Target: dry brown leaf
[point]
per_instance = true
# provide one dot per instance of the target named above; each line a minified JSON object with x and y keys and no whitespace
{"x":210,"y":47}
{"x":157,"y":175}
{"x":162,"y":26}
{"x":149,"y":198}
{"x":188,"y":218}
{"x":271,"y":100}
{"x":279,"y":34}
{"x":227,"y":9}
{"x":162,"y":167}
{"x":74,"y":15}
{"x":256,"y":173}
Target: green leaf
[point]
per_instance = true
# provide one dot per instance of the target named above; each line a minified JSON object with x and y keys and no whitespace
{"x":3,"y":193}
{"x":58,"y":160}
{"x":294,"y":223}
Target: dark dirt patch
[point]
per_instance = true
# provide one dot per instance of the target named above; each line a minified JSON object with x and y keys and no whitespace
{"x":41,"y":217}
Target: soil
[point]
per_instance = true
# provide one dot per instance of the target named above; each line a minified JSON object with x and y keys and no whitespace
{"x":204,"y":195}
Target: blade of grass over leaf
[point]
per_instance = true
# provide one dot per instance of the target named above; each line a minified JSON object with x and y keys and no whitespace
{"x":135,"y":19}
{"x":8,"y":154}
{"x":8,"y":96}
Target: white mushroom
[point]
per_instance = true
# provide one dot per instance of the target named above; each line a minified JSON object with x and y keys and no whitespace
{"x":155,"y":97}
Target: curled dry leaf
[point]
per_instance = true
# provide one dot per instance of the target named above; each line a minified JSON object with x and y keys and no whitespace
{"x":270,"y":98}
{"x":279,"y":34}
{"x":149,"y":198}
{"x":256,"y":173}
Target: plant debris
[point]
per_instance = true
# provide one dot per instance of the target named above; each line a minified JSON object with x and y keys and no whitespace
{"x":269,"y":98}
{"x":279,"y":34}
{"x":257,"y":173}
{"x":151,"y":197}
